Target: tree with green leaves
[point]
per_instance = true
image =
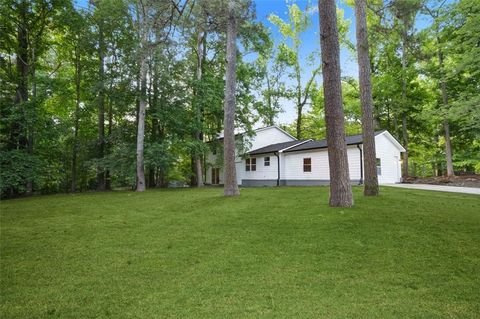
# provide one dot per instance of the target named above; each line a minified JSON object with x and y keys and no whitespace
{"x":72,"y":70}
{"x":405,"y":13}
{"x":271,"y":71}
{"x":368,"y":129}
{"x":25,"y":40}
{"x":289,"y":54}
{"x":76,"y":40}
{"x":230,"y":176}
{"x":435,"y":13}
{"x":151,"y":15}
{"x":340,"y":187}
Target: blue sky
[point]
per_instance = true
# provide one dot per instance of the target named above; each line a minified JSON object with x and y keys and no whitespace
{"x":310,"y":41}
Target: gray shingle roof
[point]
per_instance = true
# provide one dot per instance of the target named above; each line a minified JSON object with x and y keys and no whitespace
{"x":350,"y":140}
{"x":274,"y":147}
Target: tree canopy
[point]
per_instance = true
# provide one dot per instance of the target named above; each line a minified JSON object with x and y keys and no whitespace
{"x":77,"y":81}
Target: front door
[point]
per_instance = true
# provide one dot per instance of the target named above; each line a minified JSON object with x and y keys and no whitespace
{"x":215,"y":176}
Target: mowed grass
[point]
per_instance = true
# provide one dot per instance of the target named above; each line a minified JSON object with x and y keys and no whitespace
{"x":270,"y":253}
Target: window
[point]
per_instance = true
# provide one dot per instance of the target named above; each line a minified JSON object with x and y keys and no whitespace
{"x":307,"y":164}
{"x":266,"y":161}
{"x":250,"y":164}
{"x":379,"y":166}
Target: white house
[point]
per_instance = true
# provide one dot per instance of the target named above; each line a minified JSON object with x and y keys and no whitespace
{"x":276,"y":158}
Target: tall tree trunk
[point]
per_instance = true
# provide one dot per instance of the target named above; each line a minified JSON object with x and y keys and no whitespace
{"x":448,"y":148}
{"x":299,"y":100}
{"x":405,"y":145}
{"x":193,"y":175}
{"x":32,"y":114}
{"x":141,"y":124}
{"x":340,"y":187}
{"x":404,"y":104}
{"x":198,"y":110}
{"x":446,"y":125}
{"x":395,"y":125}
{"x":73,"y":186}
{"x":368,"y":130}
{"x":142,"y":105}
{"x":18,"y":132}
{"x":152,"y":180}
{"x":101,"y":107}
{"x":230,"y":176}
{"x":299,"y":121}
{"x":108,"y":177}
{"x":389,"y":124}
{"x":271,"y":114}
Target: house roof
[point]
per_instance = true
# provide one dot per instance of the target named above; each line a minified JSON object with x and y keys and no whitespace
{"x":239,"y":132}
{"x":276,"y":147}
{"x":350,"y":140}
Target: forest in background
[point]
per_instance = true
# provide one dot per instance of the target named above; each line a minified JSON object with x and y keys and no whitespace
{"x":74,"y":80}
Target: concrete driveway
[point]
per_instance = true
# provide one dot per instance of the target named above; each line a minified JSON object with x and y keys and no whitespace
{"x":440,"y":188}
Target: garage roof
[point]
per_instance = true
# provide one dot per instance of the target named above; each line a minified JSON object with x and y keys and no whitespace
{"x":276,"y":147}
{"x":350,"y":140}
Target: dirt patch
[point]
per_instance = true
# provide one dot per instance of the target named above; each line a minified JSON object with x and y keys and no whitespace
{"x":462,"y":180}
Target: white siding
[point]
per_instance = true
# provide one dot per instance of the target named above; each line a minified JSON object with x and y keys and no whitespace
{"x":320,"y":168}
{"x":262,"y":172}
{"x":263,"y":137}
{"x":268,"y":136}
{"x":389,"y":156}
{"x":283,"y":171}
{"x":240,"y":168}
{"x":291,"y":164}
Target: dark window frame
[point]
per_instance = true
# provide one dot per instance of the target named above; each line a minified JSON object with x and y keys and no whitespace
{"x":379,"y":166}
{"x":307,"y":164}
{"x":266,"y":161}
{"x":250,"y":164}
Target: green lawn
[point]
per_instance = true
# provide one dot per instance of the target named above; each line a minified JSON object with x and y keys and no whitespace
{"x":273,"y":252}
